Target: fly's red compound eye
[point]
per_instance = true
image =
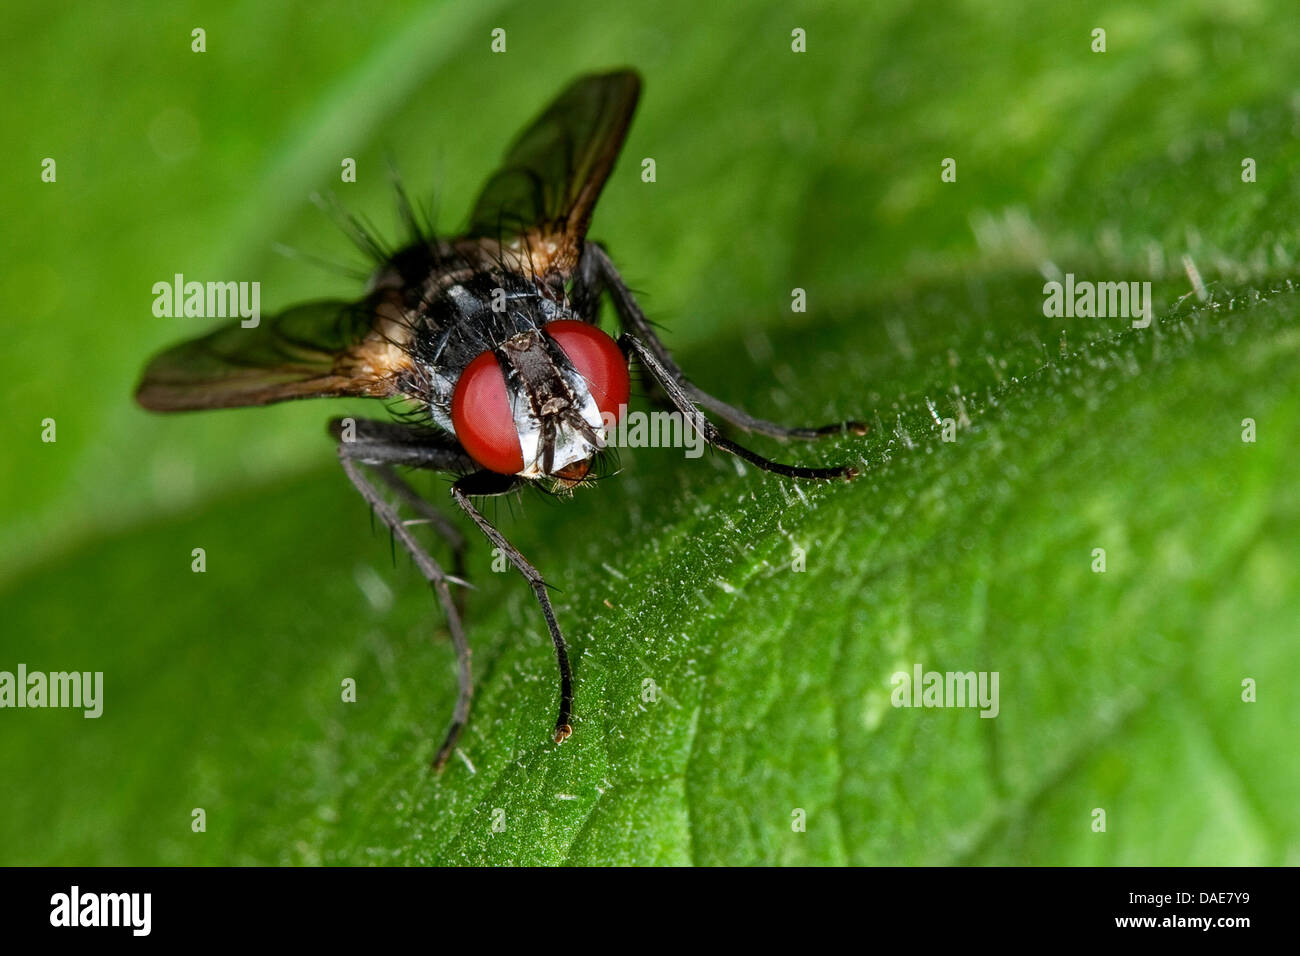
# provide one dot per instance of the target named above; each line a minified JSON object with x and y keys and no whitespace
{"x":480,"y":413}
{"x":598,"y":360}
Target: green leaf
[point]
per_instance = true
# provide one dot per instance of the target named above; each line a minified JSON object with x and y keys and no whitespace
{"x":771,"y":695}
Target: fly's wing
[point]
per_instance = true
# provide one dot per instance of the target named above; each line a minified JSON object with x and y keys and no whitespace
{"x":548,"y":183}
{"x":316,"y":350}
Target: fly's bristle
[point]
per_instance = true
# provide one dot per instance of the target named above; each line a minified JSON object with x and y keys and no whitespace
{"x":329,"y":265}
{"x":420,"y":228}
{"x":358,"y":229}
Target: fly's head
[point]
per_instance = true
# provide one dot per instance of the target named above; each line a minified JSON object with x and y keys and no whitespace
{"x":539,"y":404}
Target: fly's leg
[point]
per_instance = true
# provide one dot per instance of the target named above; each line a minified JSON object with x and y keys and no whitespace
{"x":385,"y":444}
{"x":598,"y":272}
{"x":392,"y":443}
{"x":631,"y":345}
{"x":484,"y":483}
{"x":435,"y":519}
{"x":381,"y":454}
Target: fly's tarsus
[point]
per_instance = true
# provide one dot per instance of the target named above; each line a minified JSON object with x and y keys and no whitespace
{"x":840,"y":428}
{"x":448,"y":746}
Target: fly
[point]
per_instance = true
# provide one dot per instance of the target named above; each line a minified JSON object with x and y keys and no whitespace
{"x":493,"y":339}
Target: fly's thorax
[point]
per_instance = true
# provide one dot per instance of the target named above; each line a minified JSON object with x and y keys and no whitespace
{"x":461,"y":320}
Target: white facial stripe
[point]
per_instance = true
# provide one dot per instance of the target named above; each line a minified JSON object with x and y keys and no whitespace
{"x":570,"y":445}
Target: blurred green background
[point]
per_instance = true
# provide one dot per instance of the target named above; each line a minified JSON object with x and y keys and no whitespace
{"x":775,"y":170}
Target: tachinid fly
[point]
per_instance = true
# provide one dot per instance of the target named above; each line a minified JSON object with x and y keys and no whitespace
{"x":493,"y":337}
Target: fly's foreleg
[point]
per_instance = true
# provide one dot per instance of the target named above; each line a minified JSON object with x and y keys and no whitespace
{"x":678,"y":396}
{"x":598,"y":272}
